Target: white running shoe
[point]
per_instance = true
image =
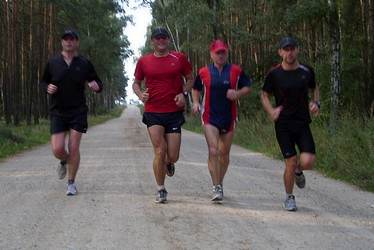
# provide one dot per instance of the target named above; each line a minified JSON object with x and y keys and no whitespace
{"x":72,"y":189}
{"x":161,"y":196}
{"x":217,"y":193}
{"x":290,"y":203}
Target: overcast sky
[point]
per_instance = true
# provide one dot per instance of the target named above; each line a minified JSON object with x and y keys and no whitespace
{"x":137,"y":35}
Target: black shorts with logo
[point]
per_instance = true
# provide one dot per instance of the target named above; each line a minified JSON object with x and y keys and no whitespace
{"x":172,"y":122}
{"x":292,"y":133}
{"x":62,"y":123}
{"x":224,"y":129}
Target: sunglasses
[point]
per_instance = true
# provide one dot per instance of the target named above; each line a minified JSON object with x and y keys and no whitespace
{"x":221,"y":52}
{"x":160,"y":37}
{"x":69,"y":38}
{"x":289,"y":48}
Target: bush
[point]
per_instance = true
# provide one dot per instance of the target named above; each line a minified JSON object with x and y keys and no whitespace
{"x":6,"y":135}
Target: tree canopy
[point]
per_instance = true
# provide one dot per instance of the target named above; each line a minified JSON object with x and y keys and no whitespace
{"x":336,"y":37}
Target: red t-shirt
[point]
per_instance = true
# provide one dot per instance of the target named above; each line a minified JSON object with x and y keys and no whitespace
{"x":163,"y":78}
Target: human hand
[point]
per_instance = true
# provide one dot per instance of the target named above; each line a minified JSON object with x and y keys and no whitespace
{"x":195,"y":108}
{"x":93,"y":85}
{"x":232,"y":95}
{"x":179,"y":100}
{"x":145,"y":96}
{"x":51,"y":89}
{"x":314,"y":108}
{"x":276,"y":112}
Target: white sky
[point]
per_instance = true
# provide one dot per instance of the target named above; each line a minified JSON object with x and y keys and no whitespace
{"x":137,"y":35}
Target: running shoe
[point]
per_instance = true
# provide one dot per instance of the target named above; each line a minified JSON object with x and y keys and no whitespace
{"x":300,"y":179}
{"x":217,"y":193}
{"x":161,"y":196}
{"x":61,"y":170}
{"x":72,"y":189}
{"x":290,"y":203}
{"x":170,"y":169}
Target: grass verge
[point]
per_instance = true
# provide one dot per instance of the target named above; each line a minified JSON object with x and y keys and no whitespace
{"x":15,"y":139}
{"x":347,"y":156}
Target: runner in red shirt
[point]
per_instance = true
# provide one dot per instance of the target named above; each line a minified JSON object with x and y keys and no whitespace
{"x":163,"y":72}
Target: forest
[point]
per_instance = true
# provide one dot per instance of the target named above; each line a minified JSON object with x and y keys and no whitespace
{"x":31,"y":33}
{"x":336,"y":38}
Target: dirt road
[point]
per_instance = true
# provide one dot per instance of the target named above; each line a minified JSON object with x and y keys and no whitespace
{"x":115,"y":208}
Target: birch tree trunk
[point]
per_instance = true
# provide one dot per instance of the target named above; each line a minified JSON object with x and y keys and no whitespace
{"x":335,"y":78}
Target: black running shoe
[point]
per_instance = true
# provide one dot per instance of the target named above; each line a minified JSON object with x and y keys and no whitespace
{"x":170,"y":169}
{"x":61,"y":170}
{"x":300,"y":180}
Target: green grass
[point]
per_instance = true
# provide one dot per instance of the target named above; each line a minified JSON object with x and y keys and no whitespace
{"x":193,"y":123}
{"x":347,"y":156}
{"x":93,"y":120}
{"x":15,"y":139}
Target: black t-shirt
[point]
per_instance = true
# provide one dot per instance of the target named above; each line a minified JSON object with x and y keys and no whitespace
{"x":70,"y":79}
{"x":290,"y":89}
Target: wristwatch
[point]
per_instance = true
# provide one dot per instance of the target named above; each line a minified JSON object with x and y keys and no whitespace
{"x":318,"y":103}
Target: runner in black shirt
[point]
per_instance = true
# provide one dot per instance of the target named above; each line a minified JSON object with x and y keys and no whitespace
{"x":64,"y":80}
{"x":290,"y":83}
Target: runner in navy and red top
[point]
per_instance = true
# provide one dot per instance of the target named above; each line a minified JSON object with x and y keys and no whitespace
{"x":218,"y":110}
{"x":223,"y":84}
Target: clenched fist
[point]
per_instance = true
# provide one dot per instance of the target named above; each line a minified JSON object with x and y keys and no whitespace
{"x":179,"y":100}
{"x":51,"y":89}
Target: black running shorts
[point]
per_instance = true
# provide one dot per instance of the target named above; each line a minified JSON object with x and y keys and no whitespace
{"x":78,"y":122}
{"x":172,"y":122}
{"x":224,"y":129}
{"x":290,"y":134}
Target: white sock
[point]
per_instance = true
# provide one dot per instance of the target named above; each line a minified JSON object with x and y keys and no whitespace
{"x":160,"y":187}
{"x":288,"y":195}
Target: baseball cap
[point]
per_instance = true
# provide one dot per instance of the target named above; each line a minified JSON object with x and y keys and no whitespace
{"x":159,"y":31}
{"x":218,"y":45}
{"x":70,"y":32}
{"x":287,"y":42}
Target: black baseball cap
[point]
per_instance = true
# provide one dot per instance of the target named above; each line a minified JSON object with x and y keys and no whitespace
{"x":70,"y":32}
{"x":159,"y":31}
{"x":287,"y":42}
